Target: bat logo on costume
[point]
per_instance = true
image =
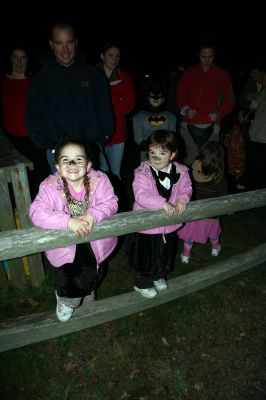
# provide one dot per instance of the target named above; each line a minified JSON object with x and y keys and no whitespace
{"x":157,"y":120}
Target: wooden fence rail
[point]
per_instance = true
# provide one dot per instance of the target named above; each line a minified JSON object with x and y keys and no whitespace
{"x":34,"y":328}
{"x":17,"y":243}
{"x":22,"y":331}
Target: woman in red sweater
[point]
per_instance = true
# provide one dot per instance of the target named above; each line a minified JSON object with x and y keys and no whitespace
{"x":14,"y":92}
{"x":123,"y":96}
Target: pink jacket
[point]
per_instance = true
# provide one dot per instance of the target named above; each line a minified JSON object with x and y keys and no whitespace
{"x":147,"y":196}
{"x":49,"y":210}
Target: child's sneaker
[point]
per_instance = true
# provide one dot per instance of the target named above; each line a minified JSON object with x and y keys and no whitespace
{"x":215,"y":252}
{"x":148,"y":293}
{"x":184,"y":259}
{"x":160,"y":284}
{"x":63,"y":312}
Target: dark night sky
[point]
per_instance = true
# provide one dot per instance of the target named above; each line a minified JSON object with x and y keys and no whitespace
{"x":151,"y":38}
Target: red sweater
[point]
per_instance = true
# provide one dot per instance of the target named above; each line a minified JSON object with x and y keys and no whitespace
{"x":205,"y":92}
{"x":123,"y":95}
{"x":13,"y":97}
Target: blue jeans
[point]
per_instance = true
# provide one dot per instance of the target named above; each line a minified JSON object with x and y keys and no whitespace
{"x":114,"y":154}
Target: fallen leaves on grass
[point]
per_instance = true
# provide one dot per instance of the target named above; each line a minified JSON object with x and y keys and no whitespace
{"x":70,"y":366}
{"x":135,"y":372}
{"x":90,"y":361}
{"x":95,"y":379}
{"x":32,"y":302}
{"x":7,"y":325}
{"x":198,"y":386}
{"x":50,"y":347}
{"x":109,"y":330}
{"x":125,"y":395}
{"x":164,"y":341}
{"x":208,"y":356}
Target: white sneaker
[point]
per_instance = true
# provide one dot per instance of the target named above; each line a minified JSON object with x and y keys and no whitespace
{"x":160,"y":284}
{"x":148,"y":293}
{"x":184,"y":259}
{"x":215,"y":252}
{"x":63,"y":312}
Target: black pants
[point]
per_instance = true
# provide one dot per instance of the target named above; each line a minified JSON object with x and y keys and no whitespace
{"x":79,"y":278}
{"x":151,"y":257}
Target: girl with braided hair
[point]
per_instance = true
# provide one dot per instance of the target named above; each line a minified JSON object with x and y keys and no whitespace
{"x":75,"y":197}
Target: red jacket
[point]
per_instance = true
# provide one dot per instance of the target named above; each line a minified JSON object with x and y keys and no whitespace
{"x":205,"y":92}
{"x":123,"y":95}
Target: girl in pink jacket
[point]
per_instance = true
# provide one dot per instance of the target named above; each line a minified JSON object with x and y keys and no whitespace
{"x":75,"y":198}
{"x":159,"y":183}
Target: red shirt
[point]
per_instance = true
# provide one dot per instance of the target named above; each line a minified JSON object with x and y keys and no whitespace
{"x":205,"y":92}
{"x":123,"y":95}
{"x":13,"y":97}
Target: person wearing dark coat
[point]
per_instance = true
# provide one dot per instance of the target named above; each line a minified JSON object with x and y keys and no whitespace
{"x":67,"y":97}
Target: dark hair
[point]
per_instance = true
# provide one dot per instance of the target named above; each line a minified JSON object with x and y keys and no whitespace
{"x":207,"y":45}
{"x":207,"y":41}
{"x":18,"y":45}
{"x":62,"y":26}
{"x":109,"y":45}
{"x":211,"y":155}
{"x":66,"y":140}
{"x":165,"y":139}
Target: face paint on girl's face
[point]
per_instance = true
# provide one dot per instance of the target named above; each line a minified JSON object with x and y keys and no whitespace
{"x":160,"y":157}
{"x":73,"y":164}
{"x":79,"y":162}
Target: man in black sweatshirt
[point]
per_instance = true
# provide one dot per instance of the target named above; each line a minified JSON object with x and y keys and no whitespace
{"x":67,"y":97}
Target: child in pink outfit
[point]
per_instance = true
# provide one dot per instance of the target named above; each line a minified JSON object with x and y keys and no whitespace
{"x":75,"y":197}
{"x":208,"y":181}
{"x":159,"y":183}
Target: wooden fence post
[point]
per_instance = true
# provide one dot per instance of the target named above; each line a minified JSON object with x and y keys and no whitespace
{"x":23,"y":201}
{"x":7,"y":222}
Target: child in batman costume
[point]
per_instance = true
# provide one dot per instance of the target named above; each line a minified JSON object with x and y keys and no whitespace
{"x":153,"y":115}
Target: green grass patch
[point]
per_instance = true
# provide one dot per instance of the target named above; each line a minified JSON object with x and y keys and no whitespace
{"x":209,"y":345}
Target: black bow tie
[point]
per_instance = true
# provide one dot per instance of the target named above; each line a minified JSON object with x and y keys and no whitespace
{"x":172,"y":176}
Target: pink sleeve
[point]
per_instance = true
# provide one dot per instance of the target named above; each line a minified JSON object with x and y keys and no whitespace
{"x":146,"y":194}
{"x":43,"y":212}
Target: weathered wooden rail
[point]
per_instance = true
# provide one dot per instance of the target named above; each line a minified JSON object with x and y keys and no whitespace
{"x":17,"y":243}
{"x":34,"y":328}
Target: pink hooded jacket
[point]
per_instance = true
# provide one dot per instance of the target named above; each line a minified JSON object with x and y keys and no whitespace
{"x":147,"y":196}
{"x":49,"y":210}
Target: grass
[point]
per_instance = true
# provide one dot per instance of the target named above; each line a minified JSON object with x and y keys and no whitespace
{"x":207,"y":345}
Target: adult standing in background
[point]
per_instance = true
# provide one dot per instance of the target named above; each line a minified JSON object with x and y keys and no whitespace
{"x":67,"y":96}
{"x":250,"y":91}
{"x":123,"y":95}
{"x":205,"y":96}
{"x":14,"y":92}
{"x":256,"y":149}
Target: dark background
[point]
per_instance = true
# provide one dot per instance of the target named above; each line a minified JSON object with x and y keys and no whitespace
{"x":153,"y":37}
